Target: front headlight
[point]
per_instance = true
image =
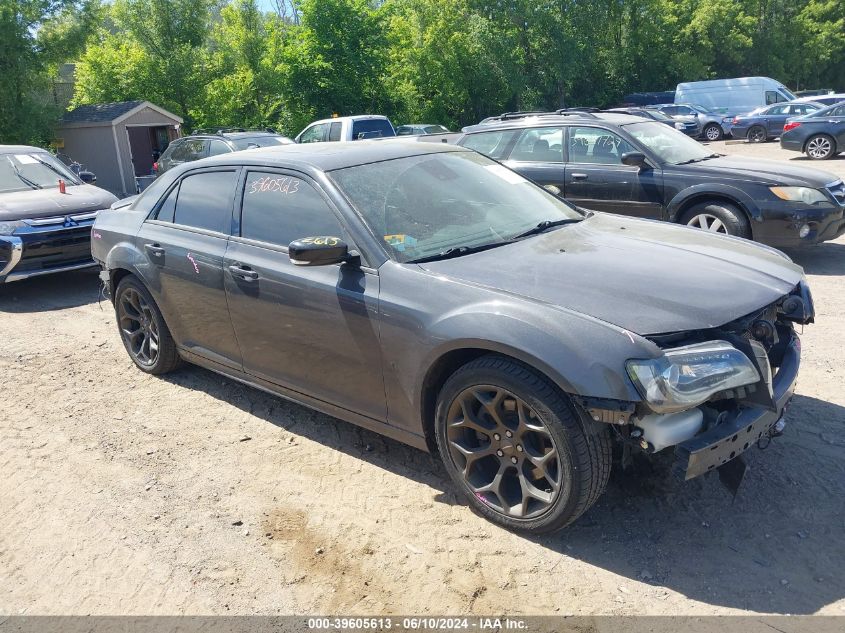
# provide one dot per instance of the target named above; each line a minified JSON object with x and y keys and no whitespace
{"x":799,"y":194}
{"x":687,"y":376}
{"x":679,"y":125}
{"x":8,"y":228}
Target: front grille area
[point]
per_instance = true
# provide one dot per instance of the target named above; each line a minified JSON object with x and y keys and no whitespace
{"x":43,"y":251}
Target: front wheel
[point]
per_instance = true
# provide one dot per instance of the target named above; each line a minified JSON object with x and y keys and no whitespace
{"x":142,"y":328}
{"x":713,"y":132}
{"x":820,"y":147}
{"x":513,"y":443}
{"x":717,"y":217}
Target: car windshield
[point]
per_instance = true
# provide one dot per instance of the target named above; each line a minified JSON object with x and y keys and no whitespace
{"x":668,"y":144}
{"x":701,"y":109}
{"x":423,"y":206}
{"x":32,"y":170}
{"x":435,"y":129}
{"x":263,"y":140}
{"x":657,"y":115}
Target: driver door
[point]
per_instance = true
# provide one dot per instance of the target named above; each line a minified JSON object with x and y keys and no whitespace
{"x":596,"y":178}
{"x":313,"y":330}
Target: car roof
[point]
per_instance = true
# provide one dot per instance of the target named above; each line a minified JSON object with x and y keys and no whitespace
{"x":514,"y":121}
{"x":355,"y":117}
{"x":21,"y":149}
{"x":331,"y":155}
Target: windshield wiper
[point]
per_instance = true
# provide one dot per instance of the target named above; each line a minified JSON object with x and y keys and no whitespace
{"x":51,"y":168}
{"x":698,"y":160}
{"x":545,"y":225}
{"x":23,"y":178}
{"x":457,"y":251}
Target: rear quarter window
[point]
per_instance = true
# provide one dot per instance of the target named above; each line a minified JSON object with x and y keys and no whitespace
{"x":493,"y":144}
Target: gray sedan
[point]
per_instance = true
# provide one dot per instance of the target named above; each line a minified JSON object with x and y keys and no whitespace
{"x":431,"y":294}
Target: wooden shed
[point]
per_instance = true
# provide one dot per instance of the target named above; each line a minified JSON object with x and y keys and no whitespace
{"x":117,"y":141}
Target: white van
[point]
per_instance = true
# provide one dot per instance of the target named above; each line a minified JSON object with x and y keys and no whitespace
{"x":733,"y":96}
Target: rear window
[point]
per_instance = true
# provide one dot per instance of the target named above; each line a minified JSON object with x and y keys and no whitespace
{"x":264,"y":140}
{"x":371,"y":128}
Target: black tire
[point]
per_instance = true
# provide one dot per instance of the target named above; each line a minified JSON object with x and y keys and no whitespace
{"x":712,"y":132}
{"x":757,"y":134}
{"x":577,"y":453}
{"x":820,"y":147}
{"x":728,"y":215}
{"x":138,"y":317}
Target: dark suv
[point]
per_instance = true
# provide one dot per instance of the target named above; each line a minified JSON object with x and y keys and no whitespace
{"x":205,"y":143}
{"x":632,"y":166}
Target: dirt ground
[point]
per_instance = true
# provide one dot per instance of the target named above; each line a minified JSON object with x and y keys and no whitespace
{"x":123,"y":493}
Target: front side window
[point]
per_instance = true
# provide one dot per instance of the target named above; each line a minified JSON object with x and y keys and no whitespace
{"x":314,"y":134}
{"x":541,"y":145}
{"x":280,"y":208}
{"x":203,"y":201}
{"x":31,"y":170}
{"x":492,"y":144}
{"x":773,"y":96}
{"x":596,"y":145}
{"x":422,"y":206}
{"x":216,"y":148}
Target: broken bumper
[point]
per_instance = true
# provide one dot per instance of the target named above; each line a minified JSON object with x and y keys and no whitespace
{"x":711,"y":449}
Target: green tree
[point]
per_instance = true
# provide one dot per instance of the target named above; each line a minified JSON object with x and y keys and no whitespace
{"x":35,"y":37}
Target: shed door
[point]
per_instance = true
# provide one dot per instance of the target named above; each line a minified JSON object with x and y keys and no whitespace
{"x":141,"y":147}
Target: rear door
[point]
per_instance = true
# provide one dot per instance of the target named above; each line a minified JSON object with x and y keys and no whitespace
{"x":313,"y":330}
{"x":595,"y":177}
{"x":775,"y":118}
{"x":538,"y":155}
{"x":184,"y":242}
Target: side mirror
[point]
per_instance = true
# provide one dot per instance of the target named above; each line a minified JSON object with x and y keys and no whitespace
{"x":319,"y":251}
{"x":87,"y":177}
{"x":552,"y":189}
{"x":634,"y":159}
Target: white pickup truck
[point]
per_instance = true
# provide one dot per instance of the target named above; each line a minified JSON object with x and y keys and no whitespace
{"x":347,"y":128}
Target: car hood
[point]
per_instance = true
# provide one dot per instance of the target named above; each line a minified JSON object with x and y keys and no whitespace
{"x":763,"y":171}
{"x":41,"y":203}
{"x":644,"y":276}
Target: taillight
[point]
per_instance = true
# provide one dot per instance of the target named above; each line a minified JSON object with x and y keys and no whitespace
{"x":736,"y":120}
{"x":155,"y":168}
{"x":791,"y":126}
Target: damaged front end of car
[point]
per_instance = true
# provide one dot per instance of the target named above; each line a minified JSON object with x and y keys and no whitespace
{"x":714,"y":393}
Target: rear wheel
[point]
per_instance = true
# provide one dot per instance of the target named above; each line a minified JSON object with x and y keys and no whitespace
{"x":514,"y":445}
{"x":757,"y":134}
{"x":820,"y":147}
{"x":717,"y":217}
{"x":142,"y":328}
{"x":712,"y":132}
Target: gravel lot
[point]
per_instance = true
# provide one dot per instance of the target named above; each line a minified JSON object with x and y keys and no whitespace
{"x":124,"y":493}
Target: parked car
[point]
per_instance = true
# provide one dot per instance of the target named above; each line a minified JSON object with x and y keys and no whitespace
{"x":817,"y":92}
{"x":205,"y":143}
{"x":415,"y":289}
{"x":708,"y":124}
{"x":687,"y":128}
{"x":820,"y":134}
{"x":767,"y":123}
{"x":46,"y":214}
{"x":347,"y":128}
{"x":826,"y":100}
{"x":622,"y":164}
{"x":421,"y":129}
{"x":733,"y":96}
{"x":647,"y":98}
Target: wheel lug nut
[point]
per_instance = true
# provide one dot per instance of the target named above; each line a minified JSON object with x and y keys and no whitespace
{"x":508,"y":433}
{"x":500,"y":453}
{"x":519,"y":447}
{"x":514,"y":460}
{"x":497,"y":437}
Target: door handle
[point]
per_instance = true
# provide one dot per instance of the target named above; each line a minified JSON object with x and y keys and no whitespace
{"x":154,"y":249}
{"x":247,"y":274}
{"x":579,"y":176}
